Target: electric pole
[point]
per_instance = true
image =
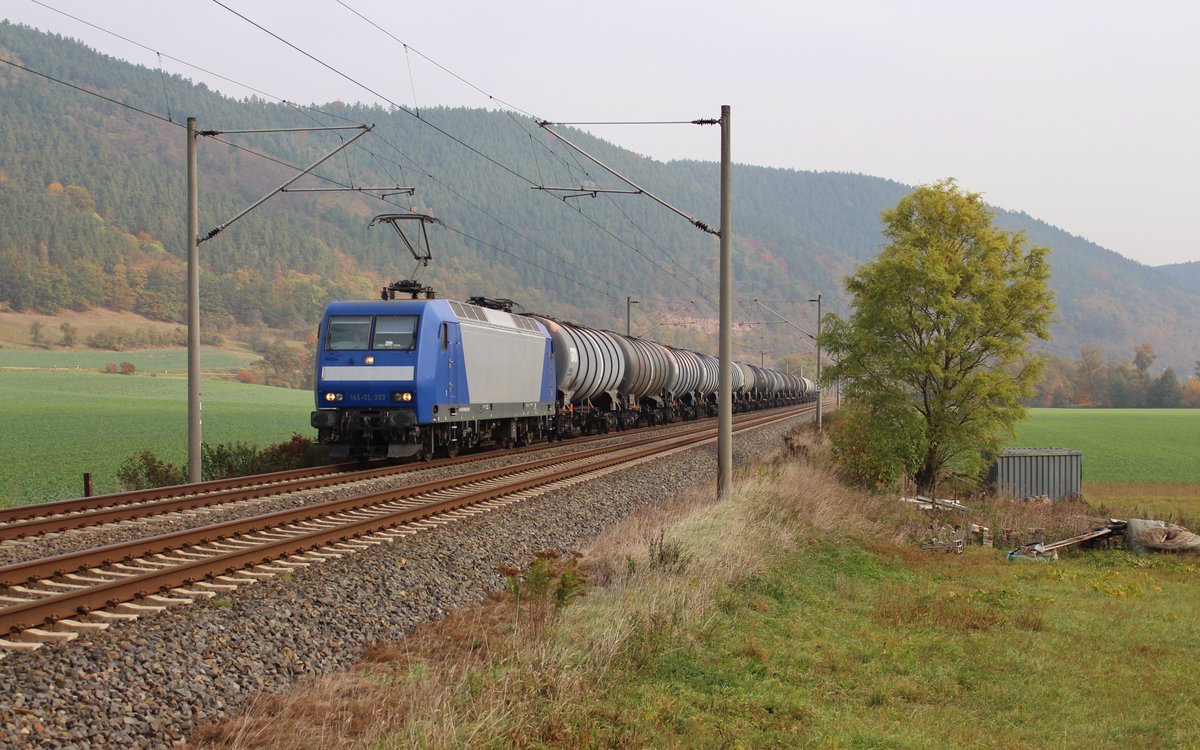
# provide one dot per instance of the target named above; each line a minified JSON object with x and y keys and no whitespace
{"x":725,"y":381}
{"x":193,"y":296}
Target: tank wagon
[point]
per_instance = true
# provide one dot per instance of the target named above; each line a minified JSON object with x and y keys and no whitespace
{"x":430,"y":377}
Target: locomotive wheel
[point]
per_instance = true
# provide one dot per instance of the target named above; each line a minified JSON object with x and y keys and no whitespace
{"x":451,"y":449}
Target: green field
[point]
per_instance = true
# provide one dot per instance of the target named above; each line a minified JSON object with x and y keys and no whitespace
{"x":59,"y":425}
{"x":1127,"y":446}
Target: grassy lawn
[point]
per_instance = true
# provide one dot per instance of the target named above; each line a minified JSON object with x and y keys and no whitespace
{"x":1136,"y":462}
{"x":841,"y":646}
{"x":58,"y":425}
{"x":1121,"y":445}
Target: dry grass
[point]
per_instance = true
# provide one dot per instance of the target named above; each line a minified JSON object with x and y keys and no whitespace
{"x":1179,"y":503}
{"x":14,"y":326}
{"x":534,"y":673}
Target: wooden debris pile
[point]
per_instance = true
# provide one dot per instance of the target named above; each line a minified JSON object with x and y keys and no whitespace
{"x":1111,"y":534}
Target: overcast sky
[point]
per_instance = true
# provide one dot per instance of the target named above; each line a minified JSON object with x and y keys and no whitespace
{"x":1082,"y":114}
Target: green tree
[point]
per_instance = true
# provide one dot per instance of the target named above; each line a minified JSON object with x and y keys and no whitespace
{"x":70,"y":335}
{"x":1166,"y":391}
{"x":1143,"y":357}
{"x":285,"y":366}
{"x":939,"y":325}
{"x":1092,"y":375}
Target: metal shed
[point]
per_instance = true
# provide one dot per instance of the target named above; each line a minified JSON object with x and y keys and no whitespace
{"x":1032,"y":472}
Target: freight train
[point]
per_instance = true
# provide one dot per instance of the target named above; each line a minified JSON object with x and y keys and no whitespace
{"x":430,"y":377}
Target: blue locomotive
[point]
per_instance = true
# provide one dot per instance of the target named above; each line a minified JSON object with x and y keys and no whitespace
{"x":430,"y":377}
{"x":427,"y":377}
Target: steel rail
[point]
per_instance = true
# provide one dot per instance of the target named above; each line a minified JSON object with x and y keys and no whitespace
{"x":133,"y":497}
{"x":31,"y":570}
{"x":132,"y":586}
{"x":42,"y":518}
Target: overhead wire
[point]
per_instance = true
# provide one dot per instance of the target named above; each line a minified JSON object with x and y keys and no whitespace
{"x":512,"y":107}
{"x":307,"y":111}
{"x":375,"y":93}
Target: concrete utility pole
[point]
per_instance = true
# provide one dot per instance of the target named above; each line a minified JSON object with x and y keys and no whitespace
{"x":628,"y":302}
{"x":820,"y":396}
{"x":193,"y":296}
{"x":725,"y":381}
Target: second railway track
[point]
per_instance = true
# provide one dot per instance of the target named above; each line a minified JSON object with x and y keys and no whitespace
{"x":34,"y":520}
{"x":118,"y":581}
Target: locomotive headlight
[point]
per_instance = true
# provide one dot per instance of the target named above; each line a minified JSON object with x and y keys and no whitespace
{"x":369,"y":359}
{"x":333,"y":397}
{"x":404,"y":396}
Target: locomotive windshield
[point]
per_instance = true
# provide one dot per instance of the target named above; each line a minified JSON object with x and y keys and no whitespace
{"x":395,"y":332}
{"x":348,"y":332}
{"x":354,"y":332}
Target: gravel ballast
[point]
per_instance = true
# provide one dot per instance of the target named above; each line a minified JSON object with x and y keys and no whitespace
{"x":149,"y":683}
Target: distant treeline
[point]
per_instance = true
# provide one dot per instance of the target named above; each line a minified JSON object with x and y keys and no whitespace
{"x":92,"y":214}
{"x":1092,"y":380}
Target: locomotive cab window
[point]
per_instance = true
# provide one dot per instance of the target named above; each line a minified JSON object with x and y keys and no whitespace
{"x":348,"y":332}
{"x":395,"y":332}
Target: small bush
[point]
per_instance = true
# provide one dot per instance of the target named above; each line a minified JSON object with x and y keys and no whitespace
{"x":874,"y":449}
{"x":239,"y":459}
{"x":127,"y":368}
{"x":144,"y":470}
{"x":250,"y":377}
{"x":664,"y":554}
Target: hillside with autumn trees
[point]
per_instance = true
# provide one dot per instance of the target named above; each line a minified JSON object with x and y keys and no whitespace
{"x":92,"y":215}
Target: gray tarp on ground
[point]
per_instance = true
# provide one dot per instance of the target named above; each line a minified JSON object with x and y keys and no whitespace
{"x":1143,"y":536}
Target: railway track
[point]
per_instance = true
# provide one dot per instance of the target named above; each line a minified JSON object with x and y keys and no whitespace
{"x":27,"y":521}
{"x":56,"y":598}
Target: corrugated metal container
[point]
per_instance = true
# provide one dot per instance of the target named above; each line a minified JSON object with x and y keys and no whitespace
{"x":1032,"y":472}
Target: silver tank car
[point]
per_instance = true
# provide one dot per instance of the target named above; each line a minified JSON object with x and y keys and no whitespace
{"x":777,"y":382}
{"x":808,"y":387}
{"x":647,"y":368}
{"x":710,"y":376}
{"x":739,"y":379}
{"x":588,"y":362}
{"x":761,"y":381}
{"x":793,"y":387}
{"x":685,"y":375}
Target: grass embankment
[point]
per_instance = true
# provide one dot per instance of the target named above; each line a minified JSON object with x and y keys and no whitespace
{"x":798,"y":613}
{"x":58,"y":425}
{"x":1136,"y":462}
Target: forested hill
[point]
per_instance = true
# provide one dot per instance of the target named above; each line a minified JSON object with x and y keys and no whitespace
{"x":92,"y":213}
{"x":1187,"y":274}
